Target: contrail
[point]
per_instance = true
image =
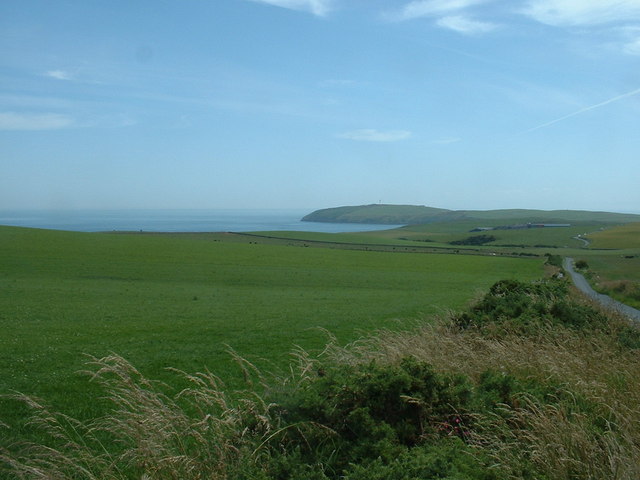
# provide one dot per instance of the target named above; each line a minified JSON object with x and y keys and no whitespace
{"x":586,"y":109}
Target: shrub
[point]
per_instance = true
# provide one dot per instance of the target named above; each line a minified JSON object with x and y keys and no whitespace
{"x":554,"y":260}
{"x":475,"y":240}
{"x":449,"y":459}
{"x":378,"y":411}
{"x":582,"y":265}
{"x":528,"y":306}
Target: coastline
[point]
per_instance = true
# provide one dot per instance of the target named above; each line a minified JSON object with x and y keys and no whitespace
{"x":178,"y":220}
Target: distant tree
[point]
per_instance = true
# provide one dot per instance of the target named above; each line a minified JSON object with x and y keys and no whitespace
{"x":474,"y":240}
{"x":555,"y":260}
{"x":582,"y":265}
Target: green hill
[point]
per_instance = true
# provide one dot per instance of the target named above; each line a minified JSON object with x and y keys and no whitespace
{"x":417,"y":214}
{"x":377,"y":214}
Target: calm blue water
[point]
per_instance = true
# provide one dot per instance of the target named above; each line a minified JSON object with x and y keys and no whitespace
{"x":176,"y":221}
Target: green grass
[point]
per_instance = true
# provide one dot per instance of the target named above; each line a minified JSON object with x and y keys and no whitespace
{"x":178,"y":299}
{"x":440,"y":234}
{"x":624,"y":236}
{"x":552,"y":216}
{"x":361,"y":238}
{"x":616,"y":275}
{"x":614,"y":249}
{"x":615,"y":267}
{"x":614,"y":262}
{"x":561,"y":237}
{"x":529,"y":382}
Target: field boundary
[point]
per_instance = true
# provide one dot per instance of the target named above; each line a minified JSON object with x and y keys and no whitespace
{"x":383,"y":247}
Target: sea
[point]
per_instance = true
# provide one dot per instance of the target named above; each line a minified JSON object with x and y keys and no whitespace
{"x":217,"y":220}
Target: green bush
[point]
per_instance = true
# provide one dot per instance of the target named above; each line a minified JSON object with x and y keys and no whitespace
{"x":377,"y":412}
{"x":527,"y":306}
{"x":403,"y":421}
{"x":449,"y":459}
{"x":582,"y":265}
{"x":554,"y":260}
{"x":474,"y":240}
{"x":402,"y":396}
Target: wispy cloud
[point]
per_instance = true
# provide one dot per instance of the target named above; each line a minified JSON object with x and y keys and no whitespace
{"x":462,"y":16}
{"x":372,"y":135}
{"x":630,"y":39}
{"x":450,"y":14}
{"x":34,"y":121}
{"x":632,"y":47}
{"x":586,"y":109}
{"x":582,"y":12}
{"x":432,"y":8}
{"x":616,"y":18}
{"x":465,"y":25}
{"x":58,"y":75}
{"x":317,"y":7}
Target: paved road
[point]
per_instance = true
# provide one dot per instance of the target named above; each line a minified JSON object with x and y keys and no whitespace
{"x":585,"y":242}
{"x":581,"y":283}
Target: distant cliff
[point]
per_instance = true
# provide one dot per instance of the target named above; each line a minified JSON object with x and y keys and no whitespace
{"x":383,"y":214}
{"x":377,"y":214}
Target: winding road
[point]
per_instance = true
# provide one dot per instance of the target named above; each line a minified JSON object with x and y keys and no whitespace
{"x":581,"y":284}
{"x":584,"y":241}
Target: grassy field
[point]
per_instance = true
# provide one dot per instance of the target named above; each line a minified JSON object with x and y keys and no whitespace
{"x":616,"y":275}
{"x":529,"y":237}
{"x":614,"y":262}
{"x":623,"y":236}
{"x":612,"y":251}
{"x":177,"y":300}
{"x":439,"y":235}
{"x":529,"y":382}
{"x":566,"y":377}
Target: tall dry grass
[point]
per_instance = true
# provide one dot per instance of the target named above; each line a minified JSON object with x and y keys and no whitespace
{"x":626,"y":291}
{"x":562,"y":443}
{"x":199,"y":433}
{"x":552,"y":437}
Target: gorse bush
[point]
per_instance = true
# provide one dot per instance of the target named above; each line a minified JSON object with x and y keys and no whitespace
{"x":529,"y":306}
{"x":553,"y":260}
{"x":400,"y":421}
{"x":527,"y":383}
{"x":450,"y":458}
{"x":582,"y":265}
{"x":376,"y":412}
{"x":411,"y":398}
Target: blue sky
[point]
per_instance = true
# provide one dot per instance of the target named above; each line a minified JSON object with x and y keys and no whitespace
{"x":462,"y":104}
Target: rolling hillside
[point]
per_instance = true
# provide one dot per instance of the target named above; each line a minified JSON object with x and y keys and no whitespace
{"x":416,"y":214}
